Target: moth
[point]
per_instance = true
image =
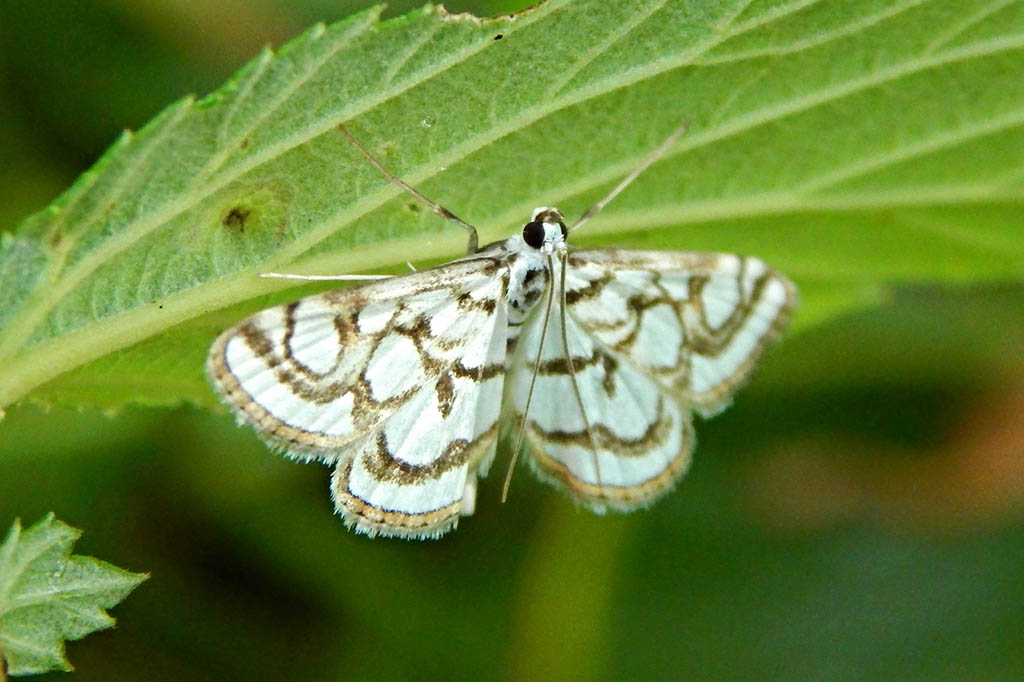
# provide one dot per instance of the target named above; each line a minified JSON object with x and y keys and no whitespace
{"x":596,"y":358}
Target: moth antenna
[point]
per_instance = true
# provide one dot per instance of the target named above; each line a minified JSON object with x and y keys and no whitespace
{"x":323,"y":278}
{"x":533,"y":381}
{"x":634,"y":174}
{"x":564,"y":258}
{"x":438,"y":209}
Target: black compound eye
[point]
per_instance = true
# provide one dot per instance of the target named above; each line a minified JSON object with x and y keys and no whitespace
{"x":565,"y":230}
{"x":533,"y":234}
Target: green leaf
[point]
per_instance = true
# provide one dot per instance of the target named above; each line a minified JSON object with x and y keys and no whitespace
{"x":853,"y":145}
{"x":48,"y":595}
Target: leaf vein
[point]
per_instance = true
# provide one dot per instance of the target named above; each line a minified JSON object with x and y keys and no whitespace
{"x":414,"y":48}
{"x":935,"y":143}
{"x":282,"y":95}
{"x":816,"y":40}
{"x":959,"y":28}
{"x":265,"y":59}
{"x":601,"y":47}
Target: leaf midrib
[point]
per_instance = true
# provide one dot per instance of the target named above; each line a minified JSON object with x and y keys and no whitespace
{"x":528,"y":115}
{"x":45,"y":298}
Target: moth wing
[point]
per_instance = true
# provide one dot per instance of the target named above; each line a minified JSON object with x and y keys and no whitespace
{"x":696,"y":322}
{"x":398,"y":382}
{"x":651,"y":335}
{"x":632,"y":443}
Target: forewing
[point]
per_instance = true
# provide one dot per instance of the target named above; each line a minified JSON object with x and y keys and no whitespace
{"x":398,"y":381}
{"x":696,"y":322}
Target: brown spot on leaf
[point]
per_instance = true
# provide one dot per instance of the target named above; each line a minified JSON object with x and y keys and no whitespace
{"x":236,"y":218}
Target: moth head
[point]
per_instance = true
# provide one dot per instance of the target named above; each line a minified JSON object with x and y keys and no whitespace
{"x":546,"y":230}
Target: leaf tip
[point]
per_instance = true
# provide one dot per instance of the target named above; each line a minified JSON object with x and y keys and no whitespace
{"x":43,"y":577}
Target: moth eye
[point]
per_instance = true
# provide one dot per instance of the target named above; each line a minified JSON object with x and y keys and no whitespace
{"x":533,"y":234}
{"x":565,"y":230}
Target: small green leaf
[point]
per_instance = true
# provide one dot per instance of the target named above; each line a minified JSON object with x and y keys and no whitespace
{"x":853,"y":145}
{"x":48,"y":595}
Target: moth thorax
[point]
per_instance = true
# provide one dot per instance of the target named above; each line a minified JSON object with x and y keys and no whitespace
{"x":525,"y":291}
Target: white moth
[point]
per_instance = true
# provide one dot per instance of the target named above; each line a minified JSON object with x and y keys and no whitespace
{"x":598,"y":357}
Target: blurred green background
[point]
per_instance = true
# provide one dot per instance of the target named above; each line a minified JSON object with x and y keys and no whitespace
{"x":855,"y":516}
